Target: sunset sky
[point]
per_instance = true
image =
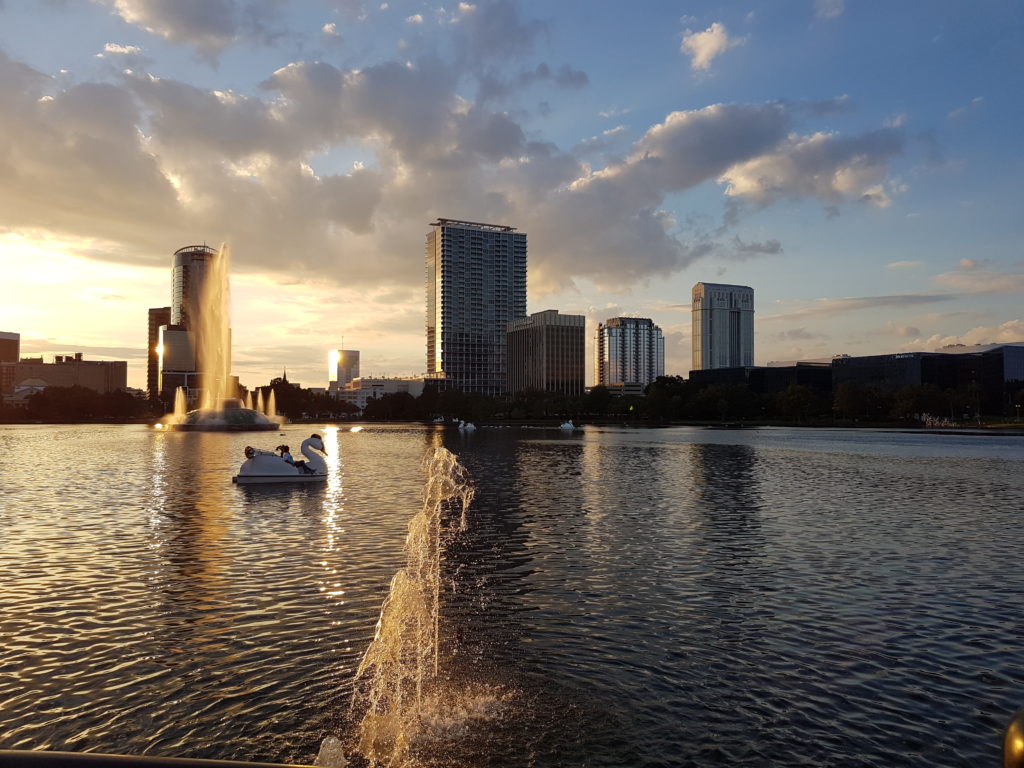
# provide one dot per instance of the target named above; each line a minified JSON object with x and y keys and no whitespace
{"x":859,"y":164}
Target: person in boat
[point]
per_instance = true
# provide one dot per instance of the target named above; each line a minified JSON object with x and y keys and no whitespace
{"x":283,"y":450}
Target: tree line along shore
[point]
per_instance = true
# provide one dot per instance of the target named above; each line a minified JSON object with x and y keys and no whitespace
{"x":669,"y":400}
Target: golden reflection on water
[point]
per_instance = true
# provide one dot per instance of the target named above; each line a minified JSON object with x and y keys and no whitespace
{"x":189,"y":524}
{"x":333,"y":514}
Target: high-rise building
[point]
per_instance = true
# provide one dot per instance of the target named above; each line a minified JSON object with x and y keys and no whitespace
{"x":344,"y":367}
{"x":180,"y":342}
{"x":630,"y":350}
{"x":476,"y":285}
{"x":722,"y":326}
{"x":546,"y":352}
{"x":157,"y":316}
{"x":191,"y":264}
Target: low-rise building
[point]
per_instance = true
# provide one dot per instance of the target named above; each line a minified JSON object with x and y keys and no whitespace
{"x":73,"y":371}
{"x":361,"y":390}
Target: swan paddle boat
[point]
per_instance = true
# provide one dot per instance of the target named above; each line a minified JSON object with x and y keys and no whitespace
{"x":567,"y":426}
{"x":267,"y":467}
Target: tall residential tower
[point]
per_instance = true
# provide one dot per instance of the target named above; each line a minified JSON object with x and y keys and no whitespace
{"x":476,"y":285}
{"x":722,"y":326}
{"x":630,"y":350}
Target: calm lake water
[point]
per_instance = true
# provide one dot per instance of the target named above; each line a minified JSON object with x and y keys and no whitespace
{"x":628,"y":597}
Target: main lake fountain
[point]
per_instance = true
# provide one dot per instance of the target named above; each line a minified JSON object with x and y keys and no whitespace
{"x":219,"y":409}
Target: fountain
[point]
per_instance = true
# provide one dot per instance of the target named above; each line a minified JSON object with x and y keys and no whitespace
{"x":217,"y":410}
{"x":405,"y":695}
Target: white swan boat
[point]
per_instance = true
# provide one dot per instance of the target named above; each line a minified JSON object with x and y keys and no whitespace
{"x":567,"y":426}
{"x":267,"y":467}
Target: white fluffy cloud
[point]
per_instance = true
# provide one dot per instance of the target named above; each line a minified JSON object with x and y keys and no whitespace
{"x":825,"y":166}
{"x":1008,"y":332}
{"x":704,"y":47}
{"x":148,"y":162}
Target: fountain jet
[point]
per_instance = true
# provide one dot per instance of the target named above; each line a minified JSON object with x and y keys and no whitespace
{"x":219,"y":407}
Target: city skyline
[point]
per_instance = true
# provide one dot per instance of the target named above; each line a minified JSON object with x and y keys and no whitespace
{"x":858,"y":168}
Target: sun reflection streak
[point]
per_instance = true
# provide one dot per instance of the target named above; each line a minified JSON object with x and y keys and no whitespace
{"x":333,"y":509}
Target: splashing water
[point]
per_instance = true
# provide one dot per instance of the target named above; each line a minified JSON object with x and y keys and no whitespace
{"x":180,"y":405}
{"x":271,"y":411}
{"x":213,"y":337}
{"x":259,"y":400}
{"x":247,"y":400}
{"x":403,"y":690}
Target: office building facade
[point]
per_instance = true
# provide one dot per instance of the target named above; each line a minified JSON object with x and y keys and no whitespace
{"x":344,"y":368}
{"x":158,"y":316}
{"x":546,"y":352}
{"x":475,"y":286}
{"x":629,"y":350}
{"x":722,"y":326}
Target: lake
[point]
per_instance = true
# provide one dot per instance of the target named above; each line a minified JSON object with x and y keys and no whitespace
{"x":619,"y":597}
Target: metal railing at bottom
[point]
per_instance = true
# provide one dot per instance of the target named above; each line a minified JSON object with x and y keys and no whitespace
{"x":16,"y":758}
{"x":1013,"y":756}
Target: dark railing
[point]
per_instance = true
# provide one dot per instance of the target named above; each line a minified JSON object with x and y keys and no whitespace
{"x":11,"y":758}
{"x":1013,"y":756}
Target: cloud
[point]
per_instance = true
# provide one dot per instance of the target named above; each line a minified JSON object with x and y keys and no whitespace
{"x":209,"y":26}
{"x":904,"y":264}
{"x":330,"y":29}
{"x":416,"y":18}
{"x":494,"y":32}
{"x":825,"y":166}
{"x":744,"y":250}
{"x":972,"y":278}
{"x":116,"y":48}
{"x":704,"y":47}
{"x":961,"y":112}
{"x":828,"y":9}
{"x":836,"y":306}
{"x":144,"y":163}
{"x":493,"y":87}
{"x":1005,"y":333}
{"x":903,"y":331}
{"x":798,"y":334}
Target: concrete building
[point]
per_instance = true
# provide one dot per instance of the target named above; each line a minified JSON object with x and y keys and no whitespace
{"x":344,"y":368}
{"x":722,"y":326}
{"x":158,"y":316}
{"x":71,"y":371}
{"x":10,"y":352}
{"x":359,"y":391}
{"x":630,"y":350}
{"x":476,"y":286}
{"x":546,"y":352}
